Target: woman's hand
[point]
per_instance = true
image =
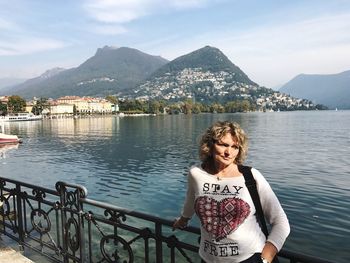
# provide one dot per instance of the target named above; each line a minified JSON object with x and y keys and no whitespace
{"x":269,"y":251}
{"x":180,"y":223}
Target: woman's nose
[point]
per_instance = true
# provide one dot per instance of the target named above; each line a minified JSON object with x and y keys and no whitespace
{"x":228,"y":150}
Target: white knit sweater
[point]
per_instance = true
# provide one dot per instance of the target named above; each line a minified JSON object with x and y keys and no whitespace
{"x":229,"y":229}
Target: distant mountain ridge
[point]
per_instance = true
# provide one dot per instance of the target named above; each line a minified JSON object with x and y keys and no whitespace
{"x":208,"y":59}
{"x":129,"y":72}
{"x":109,"y":71}
{"x":206,"y":74}
{"x":332,"y":90}
{"x":51,"y":72}
{"x":5,"y":83}
{"x":35,"y":82}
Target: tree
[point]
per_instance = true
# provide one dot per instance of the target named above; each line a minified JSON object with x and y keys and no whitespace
{"x":39,"y":106}
{"x":217,"y":108}
{"x":187,"y":106}
{"x":16,"y":104}
{"x":239,"y":106}
{"x":75,"y":111}
{"x":231,"y":106}
{"x":245,"y":106}
{"x":174,"y":109}
{"x":112,"y":99}
{"x":134,"y":105}
{"x":3,"y":108}
{"x":197,"y":108}
{"x":154,"y":107}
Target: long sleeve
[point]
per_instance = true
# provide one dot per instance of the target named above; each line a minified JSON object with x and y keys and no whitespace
{"x":273,"y":212}
{"x":188,"y":209}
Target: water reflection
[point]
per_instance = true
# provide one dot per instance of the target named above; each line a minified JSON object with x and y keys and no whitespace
{"x":7,"y":147}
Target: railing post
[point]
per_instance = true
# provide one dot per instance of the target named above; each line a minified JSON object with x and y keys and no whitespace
{"x":19,"y":216}
{"x":61,"y":189}
{"x":159,"y":243}
{"x":81,"y":229}
{"x":71,"y":202}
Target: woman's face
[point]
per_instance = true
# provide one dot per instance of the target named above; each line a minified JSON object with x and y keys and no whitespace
{"x":225,"y":150}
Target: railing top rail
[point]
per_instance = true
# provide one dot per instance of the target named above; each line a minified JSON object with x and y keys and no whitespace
{"x":137,"y":214}
{"x":50,"y":191}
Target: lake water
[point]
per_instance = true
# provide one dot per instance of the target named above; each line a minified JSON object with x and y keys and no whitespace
{"x":142,"y":162}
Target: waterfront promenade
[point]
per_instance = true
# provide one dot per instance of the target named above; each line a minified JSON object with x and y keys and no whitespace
{"x":9,"y":254}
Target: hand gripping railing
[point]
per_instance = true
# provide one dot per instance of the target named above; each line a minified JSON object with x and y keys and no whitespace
{"x":63,"y":225}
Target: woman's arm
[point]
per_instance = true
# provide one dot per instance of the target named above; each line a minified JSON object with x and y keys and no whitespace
{"x":269,"y":252}
{"x":188,"y":208}
{"x":274,"y":214}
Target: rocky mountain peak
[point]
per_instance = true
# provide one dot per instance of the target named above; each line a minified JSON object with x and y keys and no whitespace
{"x":51,"y":72}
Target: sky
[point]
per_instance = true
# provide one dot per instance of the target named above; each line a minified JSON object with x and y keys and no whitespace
{"x":271,"y":41}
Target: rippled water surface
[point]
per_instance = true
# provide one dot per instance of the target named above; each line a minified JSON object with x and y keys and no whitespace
{"x":141,"y":163}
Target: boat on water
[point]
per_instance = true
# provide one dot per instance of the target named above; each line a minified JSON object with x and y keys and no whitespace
{"x":7,"y":138}
{"x":21,"y":116}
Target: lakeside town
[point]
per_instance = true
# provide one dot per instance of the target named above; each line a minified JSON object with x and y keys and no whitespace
{"x":76,"y":105}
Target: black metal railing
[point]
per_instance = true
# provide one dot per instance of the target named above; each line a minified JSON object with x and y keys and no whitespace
{"x":63,"y":225}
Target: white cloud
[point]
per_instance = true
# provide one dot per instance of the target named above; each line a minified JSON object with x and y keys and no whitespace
{"x":109,"y":13}
{"x":121,"y":11}
{"x":22,"y":46}
{"x":187,"y":3}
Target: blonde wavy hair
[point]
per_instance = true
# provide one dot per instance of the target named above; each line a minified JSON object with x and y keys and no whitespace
{"x":218,"y":130}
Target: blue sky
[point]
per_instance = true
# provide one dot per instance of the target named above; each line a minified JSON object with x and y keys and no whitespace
{"x":271,"y":41}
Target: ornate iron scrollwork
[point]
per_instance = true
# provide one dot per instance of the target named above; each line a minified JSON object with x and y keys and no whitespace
{"x":115,"y":215}
{"x":39,"y":194}
{"x":2,"y":183}
{"x":5,"y":207}
{"x":71,"y":199}
{"x":80,"y":190}
{"x":73,"y":236}
{"x":116,"y":249}
{"x":40,"y":221}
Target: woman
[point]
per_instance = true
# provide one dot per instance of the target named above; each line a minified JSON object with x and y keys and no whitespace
{"x":218,"y":195}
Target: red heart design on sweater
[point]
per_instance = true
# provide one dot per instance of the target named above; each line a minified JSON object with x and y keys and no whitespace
{"x":220,"y":218}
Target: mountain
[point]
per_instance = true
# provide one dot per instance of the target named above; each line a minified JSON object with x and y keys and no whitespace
{"x":206,"y":74}
{"x":207,"y":59}
{"x":9,"y":82}
{"x":50,"y":73}
{"x":331,"y":90}
{"x":34,"y":82}
{"x":109,"y":71}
